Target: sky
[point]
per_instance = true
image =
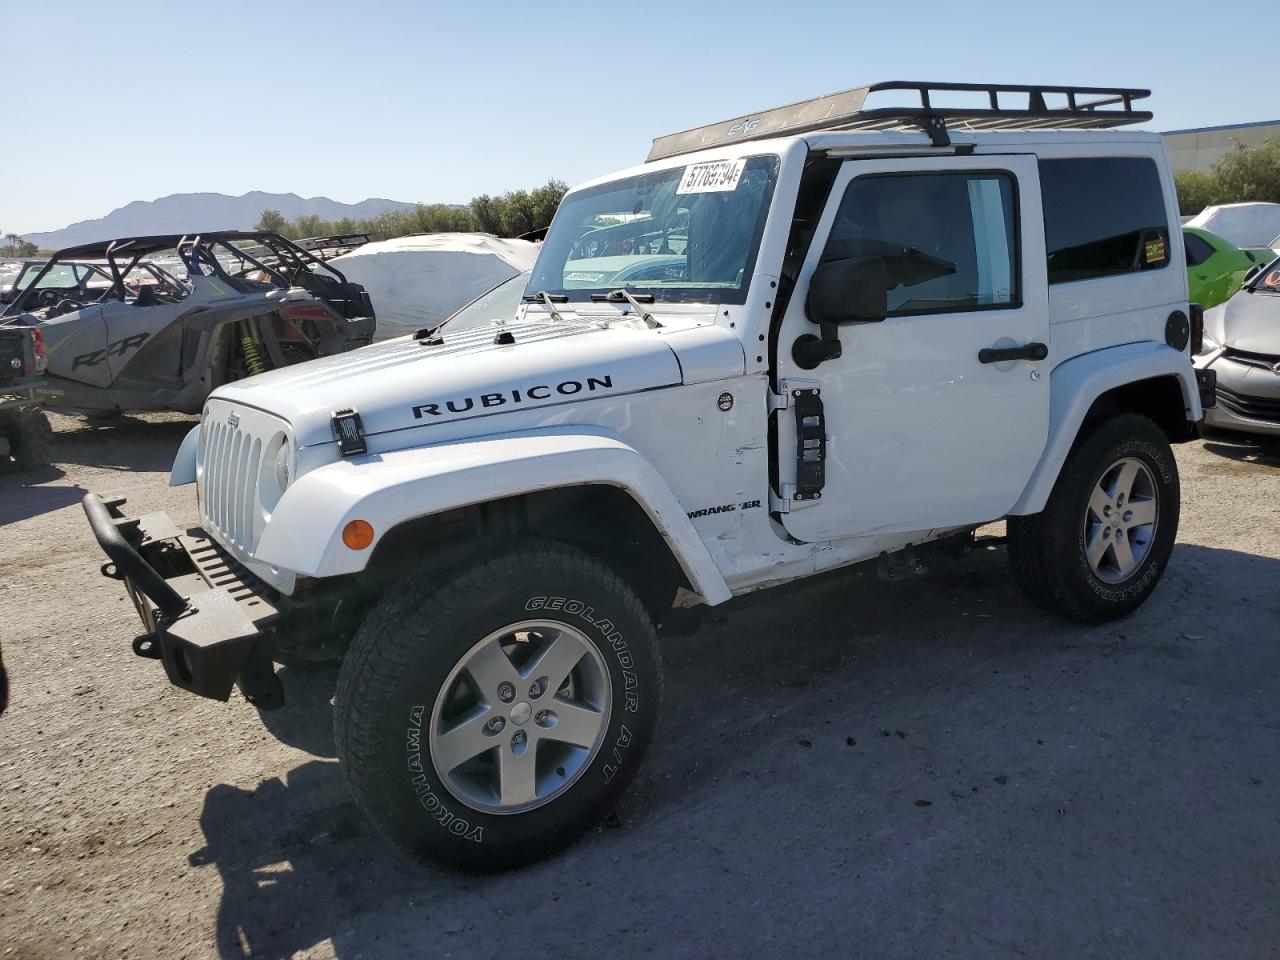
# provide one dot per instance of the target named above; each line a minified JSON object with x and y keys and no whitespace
{"x":439,"y":102}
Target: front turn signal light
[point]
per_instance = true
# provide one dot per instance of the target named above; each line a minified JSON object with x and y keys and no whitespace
{"x":357,"y":534}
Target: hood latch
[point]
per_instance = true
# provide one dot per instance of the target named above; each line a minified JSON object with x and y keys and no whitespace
{"x":348,"y":429}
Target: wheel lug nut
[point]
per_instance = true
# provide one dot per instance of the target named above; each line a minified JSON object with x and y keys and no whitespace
{"x":495,"y":725}
{"x":518,"y":739}
{"x":541,"y":718}
{"x":506,"y":692}
{"x":535,"y":690}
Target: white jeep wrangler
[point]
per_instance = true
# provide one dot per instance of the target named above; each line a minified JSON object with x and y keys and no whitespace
{"x":790,"y":342}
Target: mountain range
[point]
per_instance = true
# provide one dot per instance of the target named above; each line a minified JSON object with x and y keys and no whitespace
{"x":190,"y":212}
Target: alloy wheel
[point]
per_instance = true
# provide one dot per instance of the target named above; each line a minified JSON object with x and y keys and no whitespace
{"x":1120,"y":521}
{"x":520,"y":717}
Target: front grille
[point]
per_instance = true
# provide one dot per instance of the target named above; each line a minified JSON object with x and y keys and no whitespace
{"x":232,"y":461}
{"x":1263,"y":361}
{"x":1255,"y":408}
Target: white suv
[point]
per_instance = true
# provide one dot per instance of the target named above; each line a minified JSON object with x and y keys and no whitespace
{"x":844,"y":333}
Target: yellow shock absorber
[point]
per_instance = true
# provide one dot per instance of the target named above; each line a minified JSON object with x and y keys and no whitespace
{"x":252,"y":356}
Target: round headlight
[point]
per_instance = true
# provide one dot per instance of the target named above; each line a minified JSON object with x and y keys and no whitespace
{"x":282,"y":467}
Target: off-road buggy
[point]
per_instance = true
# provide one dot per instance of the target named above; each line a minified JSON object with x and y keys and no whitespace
{"x":123,"y":333}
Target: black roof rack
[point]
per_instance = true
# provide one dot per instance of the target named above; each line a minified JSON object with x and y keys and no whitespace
{"x":1072,"y":108}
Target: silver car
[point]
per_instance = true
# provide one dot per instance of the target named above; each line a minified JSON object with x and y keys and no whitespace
{"x":1242,"y":346}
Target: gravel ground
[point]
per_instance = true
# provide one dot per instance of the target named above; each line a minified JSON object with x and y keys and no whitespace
{"x":919,"y":769}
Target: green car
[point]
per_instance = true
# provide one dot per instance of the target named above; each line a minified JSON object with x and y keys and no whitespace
{"x":1216,"y":267}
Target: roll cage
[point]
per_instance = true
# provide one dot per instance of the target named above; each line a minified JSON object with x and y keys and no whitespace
{"x":246,"y":260}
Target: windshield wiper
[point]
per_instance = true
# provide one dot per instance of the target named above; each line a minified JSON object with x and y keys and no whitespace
{"x":550,"y":299}
{"x":637,"y":302}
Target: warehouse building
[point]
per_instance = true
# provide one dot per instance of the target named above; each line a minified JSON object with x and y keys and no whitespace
{"x":1200,"y":148}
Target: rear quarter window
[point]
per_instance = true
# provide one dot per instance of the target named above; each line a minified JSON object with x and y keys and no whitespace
{"x":1103,"y":217}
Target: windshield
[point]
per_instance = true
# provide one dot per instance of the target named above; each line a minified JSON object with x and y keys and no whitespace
{"x":1268,"y":281}
{"x":500,"y":303}
{"x":689,"y":233}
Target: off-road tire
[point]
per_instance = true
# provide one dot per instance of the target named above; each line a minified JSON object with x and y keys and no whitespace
{"x":30,"y":438}
{"x":1047,"y":550}
{"x":409,"y":645}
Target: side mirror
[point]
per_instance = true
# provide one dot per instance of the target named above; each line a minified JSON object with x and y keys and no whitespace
{"x":848,"y":291}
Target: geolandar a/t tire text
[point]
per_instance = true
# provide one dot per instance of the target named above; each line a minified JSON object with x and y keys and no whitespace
{"x":488,"y":716}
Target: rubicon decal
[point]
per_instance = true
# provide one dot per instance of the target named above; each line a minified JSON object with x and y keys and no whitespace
{"x":540,"y":391}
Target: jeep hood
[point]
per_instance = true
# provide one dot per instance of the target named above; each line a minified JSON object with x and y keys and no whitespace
{"x":407,"y":383}
{"x":1248,"y":321}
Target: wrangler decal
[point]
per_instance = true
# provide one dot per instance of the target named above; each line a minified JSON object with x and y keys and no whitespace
{"x":723,"y":508}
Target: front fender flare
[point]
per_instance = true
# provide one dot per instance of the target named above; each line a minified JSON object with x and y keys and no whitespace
{"x":183,"y":470}
{"x":1079,"y":382}
{"x":304,"y":533}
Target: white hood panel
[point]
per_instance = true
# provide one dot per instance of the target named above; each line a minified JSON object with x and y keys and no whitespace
{"x":405,"y":383}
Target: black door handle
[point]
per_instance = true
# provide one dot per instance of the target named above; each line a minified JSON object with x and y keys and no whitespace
{"x":1028,"y":351}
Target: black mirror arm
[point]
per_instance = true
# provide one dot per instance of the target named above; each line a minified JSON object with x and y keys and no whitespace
{"x":808,"y":351}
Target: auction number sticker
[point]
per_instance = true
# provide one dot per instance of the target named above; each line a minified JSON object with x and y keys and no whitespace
{"x":713,"y":177}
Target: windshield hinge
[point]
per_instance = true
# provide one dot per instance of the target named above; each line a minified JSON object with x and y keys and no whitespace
{"x":805,"y":487}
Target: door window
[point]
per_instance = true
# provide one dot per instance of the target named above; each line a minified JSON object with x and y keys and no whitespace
{"x":947,"y":242}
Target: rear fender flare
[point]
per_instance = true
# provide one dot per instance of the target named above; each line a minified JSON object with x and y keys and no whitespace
{"x":304,"y":534}
{"x":1074,"y":387}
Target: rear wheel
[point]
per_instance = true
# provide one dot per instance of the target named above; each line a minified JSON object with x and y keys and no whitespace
{"x":489,"y":716}
{"x":30,"y":437}
{"x":1099,"y":547}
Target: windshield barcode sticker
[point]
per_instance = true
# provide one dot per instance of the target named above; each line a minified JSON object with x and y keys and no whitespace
{"x":719,"y":175}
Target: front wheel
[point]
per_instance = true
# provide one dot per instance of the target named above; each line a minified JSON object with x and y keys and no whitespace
{"x":489,"y":716}
{"x":1100,"y":545}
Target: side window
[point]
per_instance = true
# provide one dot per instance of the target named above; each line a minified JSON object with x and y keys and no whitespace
{"x":948,"y":241}
{"x":1198,"y":249}
{"x":1103,"y":216}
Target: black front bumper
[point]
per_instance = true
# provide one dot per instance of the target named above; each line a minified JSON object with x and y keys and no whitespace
{"x":206,"y":617}
{"x":1207,"y":384}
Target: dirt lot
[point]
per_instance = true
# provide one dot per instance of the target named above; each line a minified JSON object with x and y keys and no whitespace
{"x":918,"y":769}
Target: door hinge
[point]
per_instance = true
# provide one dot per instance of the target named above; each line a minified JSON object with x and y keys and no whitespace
{"x":805,"y":399}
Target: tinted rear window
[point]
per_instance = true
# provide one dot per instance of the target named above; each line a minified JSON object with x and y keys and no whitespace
{"x":1103,"y":216}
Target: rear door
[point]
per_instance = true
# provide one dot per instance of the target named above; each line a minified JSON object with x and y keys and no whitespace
{"x":924,"y":429}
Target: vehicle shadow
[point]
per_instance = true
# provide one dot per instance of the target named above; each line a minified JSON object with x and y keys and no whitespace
{"x":306,"y":720}
{"x":926,"y":767}
{"x":129,"y":445}
{"x":23,"y":494}
{"x":1245,"y":448}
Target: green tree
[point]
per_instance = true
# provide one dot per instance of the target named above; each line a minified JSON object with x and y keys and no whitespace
{"x":15,"y":246}
{"x":1250,"y":173}
{"x":271,"y":221}
{"x":487,"y":213}
{"x":1196,"y":191}
{"x":309,"y":225}
{"x":546,"y":200}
